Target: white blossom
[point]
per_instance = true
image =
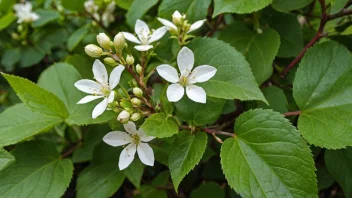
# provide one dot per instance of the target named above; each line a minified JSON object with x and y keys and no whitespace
{"x":136,"y":141}
{"x":24,"y":12}
{"x":102,"y":88}
{"x":187,"y":77}
{"x":145,"y":36}
{"x":176,"y":15}
{"x":108,"y":15}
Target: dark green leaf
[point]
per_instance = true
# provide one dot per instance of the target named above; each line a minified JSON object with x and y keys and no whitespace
{"x":238,"y":6}
{"x":76,"y":5}
{"x":137,"y":10}
{"x":6,"y":20}
{"x":208,"y":189}
{"x":76,"y":37}
{"x":31,"y":56}
{"x":288,"y":5}
{"x":5,"y":159}
{"x":11,"y":57}
{"x":45,"y":16}
{"x":276,"y":98}
{"x":134,"y":173}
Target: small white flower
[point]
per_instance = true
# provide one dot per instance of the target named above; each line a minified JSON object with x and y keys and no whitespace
{"x":101,"y":88}
{"x":145,"y":37}
{"x":108,"y":15}
{"x":24,"y":12}
{"x":177,"y":15}
{"x":187,"y":78}
{"x":136,"y":142}
{"x":91,"y":7}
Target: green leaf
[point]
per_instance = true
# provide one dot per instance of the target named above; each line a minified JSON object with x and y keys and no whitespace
{"x":159,"y":125}
{"x":19,"y":123}
{"x":276,"y":98}
{"x":339,"y":163}
{"x":151,"y":192}
{"x":5,"y":159}
{"x":325,"y":179}
{"x":194,"y":9}
{"x":6,"y":20}
{"x":322,"y":90}
{"x":208,"y":189}
{"x":138,"y":9}
{"x":238,"y":6}
{"x":197,"y":113}
{"x":82,"y":64}
{"x":268,"y":158}
{"x":259,"y":49}
{"x":77,"y":36}
{"x":288,"y":5}
{"x":11,"y":57}
{"x":337,"y":5}
{"x":31,"y":56}
{"x":37,"y":98}
{"x":186,"y":153}
{"x":45,"y":17}
{"x":134,"y":173}
{"x":37,"y":172}
{"x":76,"y":5}
{"x":124,"y":4}
{"x":6,"y":5}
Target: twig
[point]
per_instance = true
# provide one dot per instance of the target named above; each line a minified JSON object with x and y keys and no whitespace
{"x":211,"y":131}
{"x":216,"y":25}
{"x":293,"y":113}
{"x":69,"y":152}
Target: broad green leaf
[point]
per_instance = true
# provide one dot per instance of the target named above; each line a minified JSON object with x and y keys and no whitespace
{"x":276,"y":98}
{"x":45,"y":17}
{"x":134,"y":173}
{"x":51,"y":37}
{"x":208,"y":189}
{"x":6,"y":20}
{"x":6,"y":5}
{"x":82,"y":64}
{"x":161,"y":179}
{"x":259,"y":49}
{"x":37,"y":98}
{"x":186,"y":153}
{"x":76,"y":37}
{"x":5,"y":159}
{"x":238,"y":6}
{"x":37,"y":172}
{"x":197,"y":113}
{"x":339,"y":163}
{"x":137,"y":10}
{"x":337,"y":5}
{"x":59,"y":79}
{"x":233,"y":79}
{"x":325,"y":179}
{"x":151,"y":192}
{"x":11,"y":57}
{"x":124,"y":4}
{"x":288,"y":5}
{"x":19,"y":123}
{"x":322,"y":90}
{"x":159,"y":125}
{"x":268,"y":158}
{"x":31,"y":56}
{"x":76,"y":5}
{"x":194,"y":9}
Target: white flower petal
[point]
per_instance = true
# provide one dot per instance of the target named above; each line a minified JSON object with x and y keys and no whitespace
{"x":115,"y":76}
{"x":130,"y":127}
{"x":88,"y":86}
{"x":201,"y":74}
{"x":117,"y":138}
{"x":175,"y":92}
{"x":141,"y":29}
{"x":127,"y":156}
{"x":185,"y":61}
{"x":196,"y":93}
{"x":111,"y":97}
{"x":131,"y":37}
{"x":100,"y":73}
{"x":145,"y":154}
{"x":167,"y":23}
{"x":176,"y":14}
{"x":100,"y":108}
{"x":87,"y":99}
{"x":34,"y":16}
{"x":168,"y":72}
{"x":143,"y":136}
{"x":196,"y":25}
{"x":143,"y":48}
{"x":157,"y":34}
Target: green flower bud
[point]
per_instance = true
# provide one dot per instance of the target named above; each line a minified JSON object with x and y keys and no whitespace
{"x":104,"y":41}
{"x":129,"y":59}
{"x":119,"y":42}
{"x":93,"y":51}
{"x":134,"y":82}
{"x":123,"y":117}
{"x":110,"y":61}
{"x":139,"y":69}
{"x":137,"y":92}
{"x":177,"y":18}
{"x":135,"y":117}
{"x":117,"y":110}
{"x":136,"y":102}
{"x":186,"y":26}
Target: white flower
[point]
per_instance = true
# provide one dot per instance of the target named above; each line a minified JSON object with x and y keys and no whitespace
{"x":108,"y":15}
{"x":136,"y":142}
{"x":91,"y":7}
{"x":185,"y":62}
{"x":101,"y":88}
{"x":177,"y":15}
{"x":24,"y":12}
{"x":145,"y":37}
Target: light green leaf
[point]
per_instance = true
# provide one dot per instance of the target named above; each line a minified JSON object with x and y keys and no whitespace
{"x":276,"y":98}
{"x":268,"y":158}
{"x":194,"y":9}
{"x":208,"y":189}
{"x":124,"y":4}
{"x":238,"y":6}
{"x":6,"y":20}
{"x":19,"y":123}
{"x":31,"y":56}
{"x":134,"y":173}
{"x":45,"y":17}
{"x":37,"y":172}
{"x":37,"y":98}
{"x":159,"y":125}
{"x":339,"y":163}
{"x":259,"y":49}
{"x":77,"y":36}
{"x":197,"y":113}
{"x":138,"y":9}
{"x":233,"y":79}
{"x":322,"y":90}
{"x":186,"y":153}
{"x":5,"y":159}
{"x":6,"y":5}
{"x":288,"y":5}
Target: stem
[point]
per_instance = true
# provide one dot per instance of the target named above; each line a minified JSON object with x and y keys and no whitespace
{"x":99,"y":23}
{"x":293,"y":113}
{"x":211,"y":131}
{"x":69,"y":152}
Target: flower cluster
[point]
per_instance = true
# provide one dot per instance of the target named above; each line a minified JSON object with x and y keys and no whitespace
{"x":24,"y":12}
{"x":106,"y":17}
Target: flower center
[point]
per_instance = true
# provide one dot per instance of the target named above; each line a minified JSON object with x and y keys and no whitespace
{"x":144,"y":37}
{"x":105,"y":90}
{"x":183,"y":81}
{"x":136,"y":139}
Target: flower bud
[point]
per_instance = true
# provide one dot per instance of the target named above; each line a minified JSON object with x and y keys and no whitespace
{"x":125,"y":104}
{"x":135,"y":117}
{"x":119,"y":42}
{"x":134,"y":82}
{"x":186,"y":26}
{"x":129,"y":59}
{"x":136,"y":102}
{"x":110,"y":61}
{"x":117,"y":110}
{"x":139,"y":69}
{"x":123,"y":117}
{"x":93,"y":51}
{"x":137,"y":92}
{"x":104,"y":41}
{"x":177,"y":18}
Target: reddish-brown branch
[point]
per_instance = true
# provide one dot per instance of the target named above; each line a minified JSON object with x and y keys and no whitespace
{"x":210,"y":131}
{"x":293,"y":113}
{"x":69,"y":152}
{"x":216,"y":25}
